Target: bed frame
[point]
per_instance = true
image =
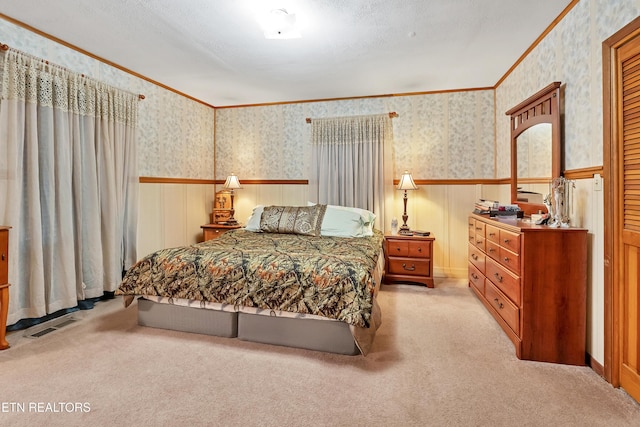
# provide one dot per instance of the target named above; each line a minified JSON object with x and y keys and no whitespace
{"x":312,"y":334}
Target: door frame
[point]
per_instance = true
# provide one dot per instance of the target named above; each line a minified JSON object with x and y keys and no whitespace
{"x":613,"y":256}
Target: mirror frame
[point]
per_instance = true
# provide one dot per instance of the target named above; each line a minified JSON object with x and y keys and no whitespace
{"x":542,"y":107}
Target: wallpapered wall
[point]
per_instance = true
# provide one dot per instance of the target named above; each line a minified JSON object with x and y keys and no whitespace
{"x":572,"y":54}
{"x":169,"y":123}
{"x":436,"y":136}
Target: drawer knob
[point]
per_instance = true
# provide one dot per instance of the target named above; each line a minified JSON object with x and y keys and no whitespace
{"x":499,"y":304}
{"x":499,"y":277}
{"x":397,"y":249}
{"x":420,"y":249}
{"x":3,"y":257}
{"x":474,"y":256}
{"x":478,"y":228}
{"x":478,"y":241}
{"x":413,"y":267}
{"x":506,"y":259}
{"x":474,"y":276}
{"x":506,"y":240}
{"x":492,"y":250}
{"x":492,"y":234}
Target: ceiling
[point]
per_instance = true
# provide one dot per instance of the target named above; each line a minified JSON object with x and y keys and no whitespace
{"x":214,"y":50}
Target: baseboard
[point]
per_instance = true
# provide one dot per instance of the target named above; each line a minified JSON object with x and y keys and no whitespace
{"x":593,"y":364}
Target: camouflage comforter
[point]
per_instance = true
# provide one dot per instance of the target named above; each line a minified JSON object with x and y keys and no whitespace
{"x":326,"y":276}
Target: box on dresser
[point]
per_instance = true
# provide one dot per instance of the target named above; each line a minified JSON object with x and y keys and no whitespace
{"x":533,"y":280}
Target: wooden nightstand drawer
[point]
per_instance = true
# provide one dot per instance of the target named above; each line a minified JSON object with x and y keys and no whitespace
{"x":409,"y":266}
{"x":213,"y":231}
{"x":397,"y":248}
{"x":420,"y":249}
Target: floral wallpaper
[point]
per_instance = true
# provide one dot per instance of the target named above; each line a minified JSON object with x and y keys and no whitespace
{"x":436,"y":136}
{"x":571,"y":54}
{"x":175,"y":134}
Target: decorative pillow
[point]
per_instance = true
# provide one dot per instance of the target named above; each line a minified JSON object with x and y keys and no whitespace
{"x":343,"y":221}
{"x":253,"y":222}
{"x":305,"y":220}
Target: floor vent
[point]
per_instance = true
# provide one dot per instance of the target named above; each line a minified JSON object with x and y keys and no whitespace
{"x":57,"y":324}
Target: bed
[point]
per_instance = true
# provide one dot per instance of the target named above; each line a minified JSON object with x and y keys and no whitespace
{"x":302,"y":277}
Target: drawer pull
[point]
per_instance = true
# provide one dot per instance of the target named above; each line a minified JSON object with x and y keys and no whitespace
{"x":413,"y":267}
{"x":506,"y":240}
{"x":478,"y":241}
{"x":3,"y":257}
{"x":474,"y":256}
{"x":499,"y":304}
{"x":499,"y":277}
{"x":420,"y":249}
{"x":506,"y":259}
{"x":398,"y":249}
{"x":492,"y":234}
{"x":492,"y":250}
{"x":474,"y":276}
{"x":478,"y":228}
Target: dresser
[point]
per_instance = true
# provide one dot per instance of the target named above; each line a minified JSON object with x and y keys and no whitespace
{"x":212,"y":231}
{"x":408,"y":259}
{"x":4,"y":285}
{"x":533,"y":280}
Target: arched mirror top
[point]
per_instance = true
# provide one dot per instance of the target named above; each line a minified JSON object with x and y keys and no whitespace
{"x":535,"y":147}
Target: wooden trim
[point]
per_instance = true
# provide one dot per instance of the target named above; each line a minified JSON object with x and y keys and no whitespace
{"x":593,"y":364}
{"x":584,"y":173}
{"x":612,"y":253}
{"x":391,"y":95}
{"x":486,"y":181}
{"x":269,"y":181}
{"x":98,"y":58}
{"x":537,"y":41}
{"x":158,"y":180}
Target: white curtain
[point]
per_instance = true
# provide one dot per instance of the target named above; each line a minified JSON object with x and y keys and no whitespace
{"x":68,"y":184}
{"x":351,"y":162}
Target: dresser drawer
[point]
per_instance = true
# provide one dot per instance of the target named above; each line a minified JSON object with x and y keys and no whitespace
{"x":478,"y":242}
{"x":492,"y":249}
{"x":492,"y":233}
{"x":504,"y":280}
{"x":479,"y":227}
{"x":510,"y":241}
{"x":477,"y":258}
{"x":505,"y":308}
{"x":409,"y":266}
{"x":4,"y":257}
{"x":510,"y":260}
{"x":476,"y":278}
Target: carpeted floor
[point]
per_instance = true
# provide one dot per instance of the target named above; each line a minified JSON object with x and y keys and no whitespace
{"x":439,"y":359}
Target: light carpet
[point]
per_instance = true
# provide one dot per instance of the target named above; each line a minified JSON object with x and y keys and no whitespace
{"x":439,"y":359}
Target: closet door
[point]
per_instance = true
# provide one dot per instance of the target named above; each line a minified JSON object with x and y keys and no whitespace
{"x":628,"y":170}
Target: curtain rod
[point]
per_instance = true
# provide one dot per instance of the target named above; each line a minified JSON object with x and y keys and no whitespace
{"x":391,"y":116}
{"x":6,"y":47}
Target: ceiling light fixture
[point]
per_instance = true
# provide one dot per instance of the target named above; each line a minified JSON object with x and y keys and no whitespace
{"x":279,"y":24}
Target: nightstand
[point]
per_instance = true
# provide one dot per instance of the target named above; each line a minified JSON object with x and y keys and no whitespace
{"x":408,"y":259}
{"x":212,"y":231}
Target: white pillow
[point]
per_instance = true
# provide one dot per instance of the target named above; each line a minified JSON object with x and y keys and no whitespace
{"x":253,"y":222}
{"x":343,"y":221}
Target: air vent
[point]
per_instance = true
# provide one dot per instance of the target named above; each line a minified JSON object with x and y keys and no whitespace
{"x":56,"y":324}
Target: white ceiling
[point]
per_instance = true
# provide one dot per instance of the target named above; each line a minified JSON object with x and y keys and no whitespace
{"x":214,"y":50}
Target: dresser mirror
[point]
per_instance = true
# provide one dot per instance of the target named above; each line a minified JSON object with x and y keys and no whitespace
{"x":535,"y":148}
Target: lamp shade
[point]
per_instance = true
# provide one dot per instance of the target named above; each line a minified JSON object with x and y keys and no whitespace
{"x":406,"y":182}
{"x":232,"y":182}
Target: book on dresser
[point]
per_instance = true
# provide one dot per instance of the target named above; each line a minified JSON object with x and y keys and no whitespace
{"x":533,"y":280}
